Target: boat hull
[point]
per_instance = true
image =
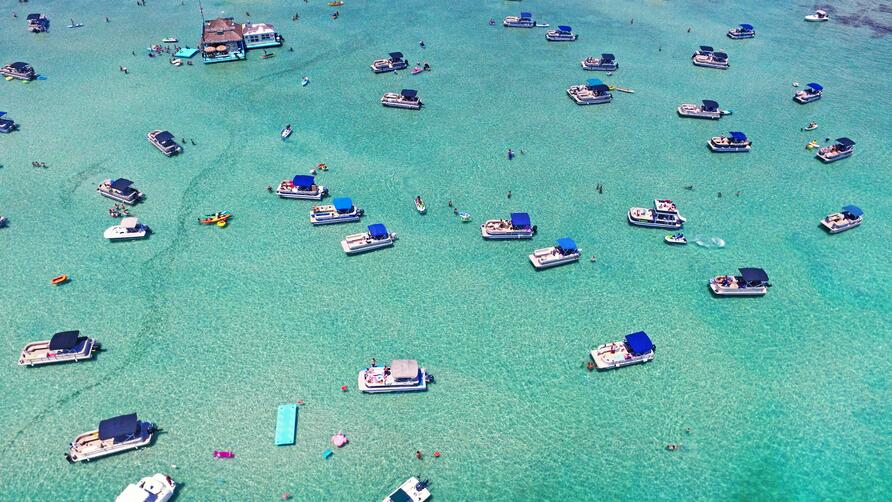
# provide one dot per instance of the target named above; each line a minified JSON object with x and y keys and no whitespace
{"x":352,"y":249}
{"x":727,"y":149}
{"x":698,"y":114}
{"x":834,"y":228}
{"x":825,"y":159}
{"x":719,"y":290}
{"x":806,"y":99}
{"x":120,"y":198}
{"x":491,"y":234}
{"x":315,"y":220}
{"x":650,"y":223}
{"x":603,"y":361}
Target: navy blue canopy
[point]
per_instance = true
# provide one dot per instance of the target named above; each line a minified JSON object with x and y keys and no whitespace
{"x":526,"y":15}
{"x":738,"y":136}
{"x":33,"y":17}
{"x":520,"y":220}
{"x":705,"y":48}
{"x":565,"y":28}
{"x":639,"y":343}
{"x":119,"y":428}
{"x":396,"y":56}
{"x":20,"y":66}
{"x":710,"y":105}
{"x":164,"y":137}
{"x":6,"y":123}
{"x":721,"y":56}
{"x":378,"y":231}
{"x":409,"y":93}
{"x":855,"y":211}
{"x":566,"y":244}
{"x":122,"y":185}
{"x":343,"y":204}
{"x":845,"y":142}
{"x":593,"y":82}
{"x":753,"y":275}
{"x":303,"y":181}
{"x":747,"y":27}
{"x":607,"y":58}
{"x":64,"y":340}
{"x":814,"y":86}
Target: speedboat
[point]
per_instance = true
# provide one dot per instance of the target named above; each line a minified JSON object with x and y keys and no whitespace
{"x":395,"y":62}
{"x":302,"y":186}
{"x":156,"y":488}
{"x":403,"y":375}
{"x":163,"y":140}
{"x":38,"y":23}
{"x":518,"y":227}
{"x":286,"y":131}
{"x":664,"y":214}
{"x":844,"y":147}
{"x":341,"y":210}
{"x":750,"y":282}
{"x":407,"y":98}
{"x":561,"y":34}
{"x":64,"y":346}
{"x":676,"y":239}
{"x":120,"y":190}
{"x":812,"y":92}
{"x":114,"y":435}
{"x":419,"y":205}
{"x":742,"y":31}
{"x":604,"y":63}
{"x":130,"y":228}
{"x":847,"y":217}
{"x":18,"y":70}
{"x":376,"y":238}
{"x":707,"y":59}
{"x":709,"y":109}
{"x":817,"y":17}
{"x":594,"y":92}
{"x":735,"y":142}
{"x":564,"y":251}
{"x":7,"y":126}
{"x":524,"y":20}
{"x":410,"y":491}
{"x":636,"y":348}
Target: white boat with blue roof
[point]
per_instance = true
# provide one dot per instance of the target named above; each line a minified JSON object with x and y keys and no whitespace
{"x":392,"y":63}
{"x":847,"y":218}
{"x":664,"y":214}
{"x":114,"y":435}
{"x":38,"y":23}
{"x":843,"y":148}
{"x":636,"y":348}
{"x":734,"y":142}
{"x":403,"y":375}
{"x":750,"y":282}
{"x":593,"y":92}
{"x":341,"y":210}
{"x":811,"y":92}
{"x":524,"y":20}
{"x":18,"y":70}
{"x":377,"y":237}
{"x":743,"y":30}
{"x":64,"y":346}
{"x":517,"y":227}
{"x":563,"y":33}
{"x":607,"y":62}
{"x":708,"y":58}
{"x":708,"y":109}
{"x":302,"y":186}
{"x":163,"y":140}
{"x":564,"y":251}
{"x":407,"y":98}
{"x":121,"y":190}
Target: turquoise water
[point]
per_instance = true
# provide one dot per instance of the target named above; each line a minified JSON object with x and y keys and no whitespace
{"x":208,"y":330}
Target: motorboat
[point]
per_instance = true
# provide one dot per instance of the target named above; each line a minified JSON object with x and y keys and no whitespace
{"x":64,"y":346}
{"x":129,"y":228}
{"x":811,"y":92}
{"x":750,"y":282}
{"x":743,"y":30}
{"x":376,"y":238}
{"x":848,"y":217}
{"x":717,"y":60}
{"x":818,"y":17}
{"x":38,"y":23}
{"x":121,"y":190}
{"x":114,"y":435}
{"x":636,"y":348}
{"x":7,"y":126}
{"x":607,"y":62}
{"x":594,"y":92}
{"x":564,"y":251}
{"x":735,"y":142}
{"x":169,"y":40}
{"x":419,"y":205}
{"x":286,"y":131}
{"x":664,"y":214}
{"x":304,"y":81}
{"x":341,"y":210}
{"x":407,"y":98}
{"x":561,"y":34}
{"x":811,"y":127}
{"x":403,"y":375}
{"x":411,"y":490}
{"x":708,"y":109}
{"x":156,"y":488}
{"x":843,"y":148}
{"x":524,"y":20}
{"x":517,"y":227}
{"x":163,"y":140}
{"x":393,"y":63}
{"x":302,"y":186}
{"x":679,"y":239}
{"x":18,"y":70}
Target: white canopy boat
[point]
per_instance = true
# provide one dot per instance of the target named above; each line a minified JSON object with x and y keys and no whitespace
{"x":129,"y":228}
{"x":403,"y":375}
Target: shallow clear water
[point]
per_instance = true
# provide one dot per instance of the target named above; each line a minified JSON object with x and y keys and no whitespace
{"x":207,"y":330}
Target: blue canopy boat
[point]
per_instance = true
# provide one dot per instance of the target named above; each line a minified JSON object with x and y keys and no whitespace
{"x":634,"y":349}
{"x":744,"y":30}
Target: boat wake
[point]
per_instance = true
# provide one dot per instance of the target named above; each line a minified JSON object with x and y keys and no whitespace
{"x":709,"y":242}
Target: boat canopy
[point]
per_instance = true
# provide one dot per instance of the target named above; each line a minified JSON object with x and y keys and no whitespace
{"x":854,"y":211}
{"x":738,"y":136}
{"x":122,"y":185}
{"x":846,"y":142}
{"x":566,"y":244}
{"x":130,"y":223}
{"x":343,"y":204}
{"x":20,"y":66}
{"x":396,"y":56}
{"x":747,"y":27}
{"x":721,"y":56}
{"x":6,"y":123}
{"x":520,"y":220}
{"x":33,"y":17}
{"x":821,"y":13}
{"x":815,"y":87}
{"x":404,"y":369}
{"x":592,"y":82}
{"x":710,"y":105}
{"x":607,"y":57}
{"x":303,"y":181}
{"x":165,"y":138}
{"x":120,"y":428}
{"x":565,"y":28}
{"x":526,"y":15}
{"x":639,"y":343}
{"x":705,"y":48}
{"x":409,"y":93}
{"x":753,"y":275}
{"x":378,"y":231}
{"x":64,"y":340}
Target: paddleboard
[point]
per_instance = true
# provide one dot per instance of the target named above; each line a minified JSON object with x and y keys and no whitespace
{"x":76,"y":25}
{"x":286,"y":424}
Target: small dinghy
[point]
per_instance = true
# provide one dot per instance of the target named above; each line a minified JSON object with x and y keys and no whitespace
{"x":676,"y":239}
{"x":419,"y":205}
{"x":810,"y":127}
{"x":286,"y":131}
{"x":305,"y":81}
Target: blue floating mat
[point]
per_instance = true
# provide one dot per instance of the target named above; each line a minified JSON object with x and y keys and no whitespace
{"x":327,"y":454}
{"x":41,"y":77}
{"x":186,"y":52}
{"x":286,"y":424}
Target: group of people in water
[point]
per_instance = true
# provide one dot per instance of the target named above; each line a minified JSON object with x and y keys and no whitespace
{"x":119,"y":211}
{"x":38,"y":164}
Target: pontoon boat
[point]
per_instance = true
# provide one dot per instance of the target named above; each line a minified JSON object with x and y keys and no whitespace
{"x":561,"y":34}
{"x":594,"y":92}
{"x":742,"y":31}
{"x":524,"y":20}
{"x":114,"y":435}
{"x":750,"y":282}
{"x":812,"y":92}
{"x":564,"y":251}
{"x":735,"y":142}
{"x":395,"y":62}
{"x":604,"y":63}
{"x":18,"y":70}
{"x":341,"y":210}
{"x":64,"y":346}
{"x":843,"y":148}
{"x":664,"y":214}
{"x":707,"y":110}
{"x":518,"y":227}
{"x":407,"y":98}
{"x":120,"y":190}
{"x":636,"y":348}
{"x":403,"y":375}
{"x":163,"y":140}
{"x":847,"y":217}
{"x":376,"y":238}
{"x":302,"y":186}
